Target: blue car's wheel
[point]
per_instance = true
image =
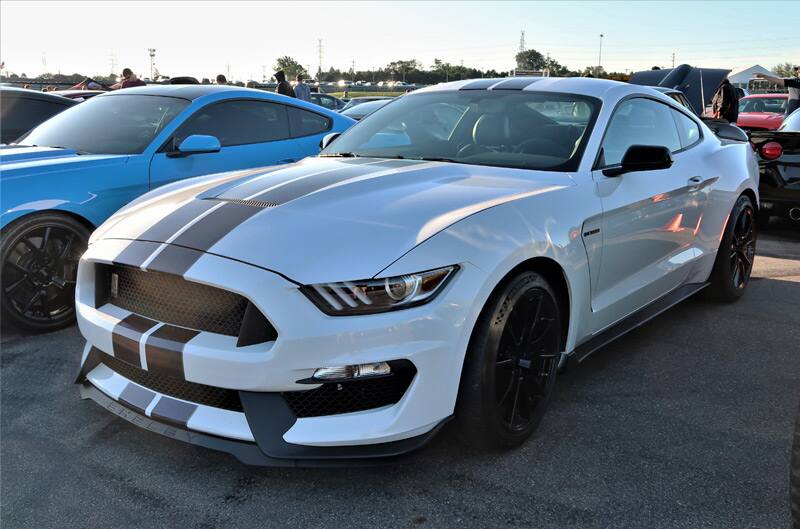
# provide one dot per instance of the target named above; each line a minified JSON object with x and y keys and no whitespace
{"x":40,"y":256}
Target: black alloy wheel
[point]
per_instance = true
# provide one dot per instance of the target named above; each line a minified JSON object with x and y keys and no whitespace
{"x":511,"y":365}
{"x":743,"y":247}
{"x":40,"y":257}
{"x":736,"y":254}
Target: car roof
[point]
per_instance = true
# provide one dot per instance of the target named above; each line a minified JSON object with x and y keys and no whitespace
{"x":366,"y":107}
{"x":13,"y":91}
{"x":573,"y":85}
{"x":758,"y":96}
{"x":184,"y":91}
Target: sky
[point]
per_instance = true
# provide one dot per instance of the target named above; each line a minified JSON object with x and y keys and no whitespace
{"x":204,"y":38}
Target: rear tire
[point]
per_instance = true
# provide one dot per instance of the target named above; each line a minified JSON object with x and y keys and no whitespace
{"x":39,"y":258}
{"x":511,"y":364}
{"x":737,"y":251}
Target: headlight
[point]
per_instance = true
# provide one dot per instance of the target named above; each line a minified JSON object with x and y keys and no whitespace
{"x":370,"y":296}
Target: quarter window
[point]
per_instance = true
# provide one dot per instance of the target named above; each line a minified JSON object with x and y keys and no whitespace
{"x":639,"y":121}
{"x":239,"y":122}
{"x":305,"y":123}
{"x":688,"y":130}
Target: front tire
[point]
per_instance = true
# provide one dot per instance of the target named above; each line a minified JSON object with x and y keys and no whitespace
{"x":39,"y":258}
{"x":511,"y":364}
{"x":737,"y":251}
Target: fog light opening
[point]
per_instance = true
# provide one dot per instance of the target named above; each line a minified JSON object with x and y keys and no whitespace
{"x":352,"y":372}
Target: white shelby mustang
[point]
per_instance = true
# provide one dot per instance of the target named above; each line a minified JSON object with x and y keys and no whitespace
{"x":439,"y":260}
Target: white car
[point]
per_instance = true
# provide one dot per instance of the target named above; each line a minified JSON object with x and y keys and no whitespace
{"x":438,"y":260}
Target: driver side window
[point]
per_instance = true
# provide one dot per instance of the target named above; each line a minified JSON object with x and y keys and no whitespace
{"x":638,"y":121}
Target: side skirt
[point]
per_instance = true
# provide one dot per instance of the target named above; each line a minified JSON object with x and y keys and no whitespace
{"x":642,"y":316}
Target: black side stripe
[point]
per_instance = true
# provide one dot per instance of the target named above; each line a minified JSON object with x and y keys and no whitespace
{"x":172,"y":411}
{"x":126,"y":335}
{"x":164,"y":350}
{"x":136,"y":397}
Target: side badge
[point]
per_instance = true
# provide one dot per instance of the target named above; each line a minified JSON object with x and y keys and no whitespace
{"x":114,"y":285}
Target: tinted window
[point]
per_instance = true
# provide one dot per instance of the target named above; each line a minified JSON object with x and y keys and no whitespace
{"x":118,"y":124}
{"x":325,"y":101}
{"x":688,"y":130}
{"x":503,"y":128}
{"x":239,"y":122}
{"x":639,"y":121}
{"x":20,"y":114}
{"x":305,"y":123}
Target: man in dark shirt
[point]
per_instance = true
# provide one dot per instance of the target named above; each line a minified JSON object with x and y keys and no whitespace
{"x":283,"y":85}
{"x":792,"y":83}
{"x":725,"y":104}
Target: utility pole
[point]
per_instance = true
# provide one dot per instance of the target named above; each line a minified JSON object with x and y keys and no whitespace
{"x":263,"y":73}
{"x":228,"y":69}
{"x":113,"y":60}
{"x":522,"y":41}
{"x":319,"y":53}
{"x":152,"y":53}
{"x":673,"y":59}
{"x":353,"y":70}
{"x":600,"y":57}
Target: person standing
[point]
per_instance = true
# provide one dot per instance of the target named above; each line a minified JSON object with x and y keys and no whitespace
{"x":792,"y":83}
{"x":283,"y":87}
{"x":221,"y":79}
{"x":302,"y":90}
{"x":725,"y":103}
{"x":129,"y":80}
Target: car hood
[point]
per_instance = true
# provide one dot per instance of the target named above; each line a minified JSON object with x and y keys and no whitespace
{"x":16,"y":159}
{"x":759,"y":119}
{"x":323,"y":219}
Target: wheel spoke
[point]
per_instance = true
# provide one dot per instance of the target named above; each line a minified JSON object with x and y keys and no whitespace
{"x":516,"y":402}
{"x":45,"y":239}
{"x":512,"y":380}
{"x":19,"y":267}
{"x":507,"y":362}
{"x":27,"y":242}
{"x":32,"y":301}
{"x":13,"y":287}
{"x":67,"y":246}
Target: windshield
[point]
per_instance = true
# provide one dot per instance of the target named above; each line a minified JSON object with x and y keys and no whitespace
{"x":504,"y":128}
{"x":775,"y":105}
{"x":118,"y":124}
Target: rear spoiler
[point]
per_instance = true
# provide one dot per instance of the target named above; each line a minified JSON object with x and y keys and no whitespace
{"x":725,"y":130}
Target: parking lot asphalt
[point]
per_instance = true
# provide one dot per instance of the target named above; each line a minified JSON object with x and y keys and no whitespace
{"x":684,"y":423}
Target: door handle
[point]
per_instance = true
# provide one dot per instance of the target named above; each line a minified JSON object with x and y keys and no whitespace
{"x":694,"y":183}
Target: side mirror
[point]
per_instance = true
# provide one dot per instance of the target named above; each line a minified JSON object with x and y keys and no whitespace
{"x":196,"y":144}
{"x":642,"y":158}
{"x":328,"y":139}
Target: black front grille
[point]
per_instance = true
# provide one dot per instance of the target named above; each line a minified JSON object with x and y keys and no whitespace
{"x":357,"y":395}
{"x":227,"y":399}
{"x":171,"y":299}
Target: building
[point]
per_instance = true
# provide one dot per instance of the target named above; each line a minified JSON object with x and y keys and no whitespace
{"x":740,"y":78}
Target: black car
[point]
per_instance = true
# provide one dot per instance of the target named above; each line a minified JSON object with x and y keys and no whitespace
{"x":327,"y":101}
{"x":779,"y":161}
{"x":22,"y":109}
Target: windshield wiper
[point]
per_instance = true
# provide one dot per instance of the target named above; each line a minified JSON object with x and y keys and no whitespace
{"x":338,"y":155}
{"x":436,"y":159}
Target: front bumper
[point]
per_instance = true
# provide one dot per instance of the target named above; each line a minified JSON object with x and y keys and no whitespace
{"x":432,"y":337}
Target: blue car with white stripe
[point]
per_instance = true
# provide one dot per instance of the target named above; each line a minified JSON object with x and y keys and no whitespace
{"x":69,"y":174}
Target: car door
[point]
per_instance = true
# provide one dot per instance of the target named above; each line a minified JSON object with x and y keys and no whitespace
{"x":252,"y":133}
{"x":650,"y":218}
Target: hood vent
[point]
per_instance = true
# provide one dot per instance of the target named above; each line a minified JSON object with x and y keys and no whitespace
{"x":254,"y":203}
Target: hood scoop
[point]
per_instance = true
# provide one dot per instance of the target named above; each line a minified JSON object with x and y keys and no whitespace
{"x":262,"y":204}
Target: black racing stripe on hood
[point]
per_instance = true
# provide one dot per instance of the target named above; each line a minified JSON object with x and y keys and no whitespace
{"x":201,"y":236}
{"x":306,"y":186}
{"x":516,"y":83}
{"x":169,"y":225}
{"x":259,"y":183}
{"x":480,"y":84}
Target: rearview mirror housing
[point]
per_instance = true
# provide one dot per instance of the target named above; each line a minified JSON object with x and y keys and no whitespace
{"x":328,"y":139}
{"x":196,"y":144}
{"x":642,"y":158}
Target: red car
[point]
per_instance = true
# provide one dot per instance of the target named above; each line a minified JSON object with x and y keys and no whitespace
{"x":761,"y":111}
